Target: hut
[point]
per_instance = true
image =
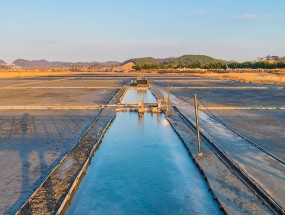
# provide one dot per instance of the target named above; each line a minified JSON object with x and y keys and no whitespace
{"x":142,"y":82}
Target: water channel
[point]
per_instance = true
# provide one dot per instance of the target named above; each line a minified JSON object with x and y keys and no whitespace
{"x":142,"y":167}
{"x":132,"y":96}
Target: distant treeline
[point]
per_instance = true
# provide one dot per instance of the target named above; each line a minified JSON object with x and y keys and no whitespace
{"x":216,"y":65}
{"x":202,"y":62}
{"x":188,"y":61}
{"x":256,"y":65}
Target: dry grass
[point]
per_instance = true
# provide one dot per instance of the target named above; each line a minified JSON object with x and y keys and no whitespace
{"x":33,"y":73}
{"x":250,"y":77}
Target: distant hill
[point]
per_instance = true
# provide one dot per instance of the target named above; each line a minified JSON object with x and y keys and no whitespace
{"x":182,"y":60}
{"x":125,"y":67}
{"x":59,"y":64}
{"x":2,"y":62}
{"x":128,"y":66}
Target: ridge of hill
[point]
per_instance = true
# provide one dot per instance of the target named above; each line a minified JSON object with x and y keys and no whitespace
{"x":182,"y":60}
{"x":59,"y":64}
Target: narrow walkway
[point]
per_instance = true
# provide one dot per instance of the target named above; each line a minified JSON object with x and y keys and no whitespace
{"x":73,"y":107}
{"x":221,"y":87}
{"x":47,"y":87}
{"x":260,"y":167}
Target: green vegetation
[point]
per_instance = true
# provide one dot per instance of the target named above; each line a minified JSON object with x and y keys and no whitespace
{"x":202,"y":62}
{"x":256,"y":65}
{"x":185,"y":61}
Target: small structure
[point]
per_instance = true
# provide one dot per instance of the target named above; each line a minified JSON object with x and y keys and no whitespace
{"x":157,"y":109}
{"x":133,"y":83}
{"x":165,"y":102}
{"x":141,"y":108}
{"x":159,"y":103}
{"x":142,"y":82}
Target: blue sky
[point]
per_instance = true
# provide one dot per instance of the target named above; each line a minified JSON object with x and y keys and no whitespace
{"x":102,"y":30}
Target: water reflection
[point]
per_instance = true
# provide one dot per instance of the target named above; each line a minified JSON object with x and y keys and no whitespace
{"x":132,"y":96}
{"x":140,"y":120}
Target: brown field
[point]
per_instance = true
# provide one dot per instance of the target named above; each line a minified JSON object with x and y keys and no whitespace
{"x":33,"y":73}
{"x":250,"y":77}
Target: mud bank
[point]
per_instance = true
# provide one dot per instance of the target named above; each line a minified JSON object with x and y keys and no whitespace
{"x":48,"y":198}
{"x":31,"y":145}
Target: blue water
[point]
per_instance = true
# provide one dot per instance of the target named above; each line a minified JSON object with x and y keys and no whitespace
{"x":131,"y":96}
{"x":142,"y":167}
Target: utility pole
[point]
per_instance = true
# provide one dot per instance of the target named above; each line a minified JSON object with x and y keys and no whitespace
{"x":168,"y":101}
{"x":197,"y":125}
{"x":141,"y":103}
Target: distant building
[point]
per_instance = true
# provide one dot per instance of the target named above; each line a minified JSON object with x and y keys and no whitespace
{"x":8,"y":66}
{"x":142,"y":82}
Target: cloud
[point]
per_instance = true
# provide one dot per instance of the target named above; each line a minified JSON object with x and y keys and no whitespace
{"x":199,"y":12}
{"x":247,"y":17}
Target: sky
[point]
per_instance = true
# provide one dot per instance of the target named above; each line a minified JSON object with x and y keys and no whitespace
{"x":117,"y":30}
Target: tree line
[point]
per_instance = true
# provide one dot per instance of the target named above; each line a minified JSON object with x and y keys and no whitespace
{"x":214,"y":65}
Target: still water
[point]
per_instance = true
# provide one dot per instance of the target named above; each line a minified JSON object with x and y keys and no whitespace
{"x":142,"y":167}
{"x":131,"y":96}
